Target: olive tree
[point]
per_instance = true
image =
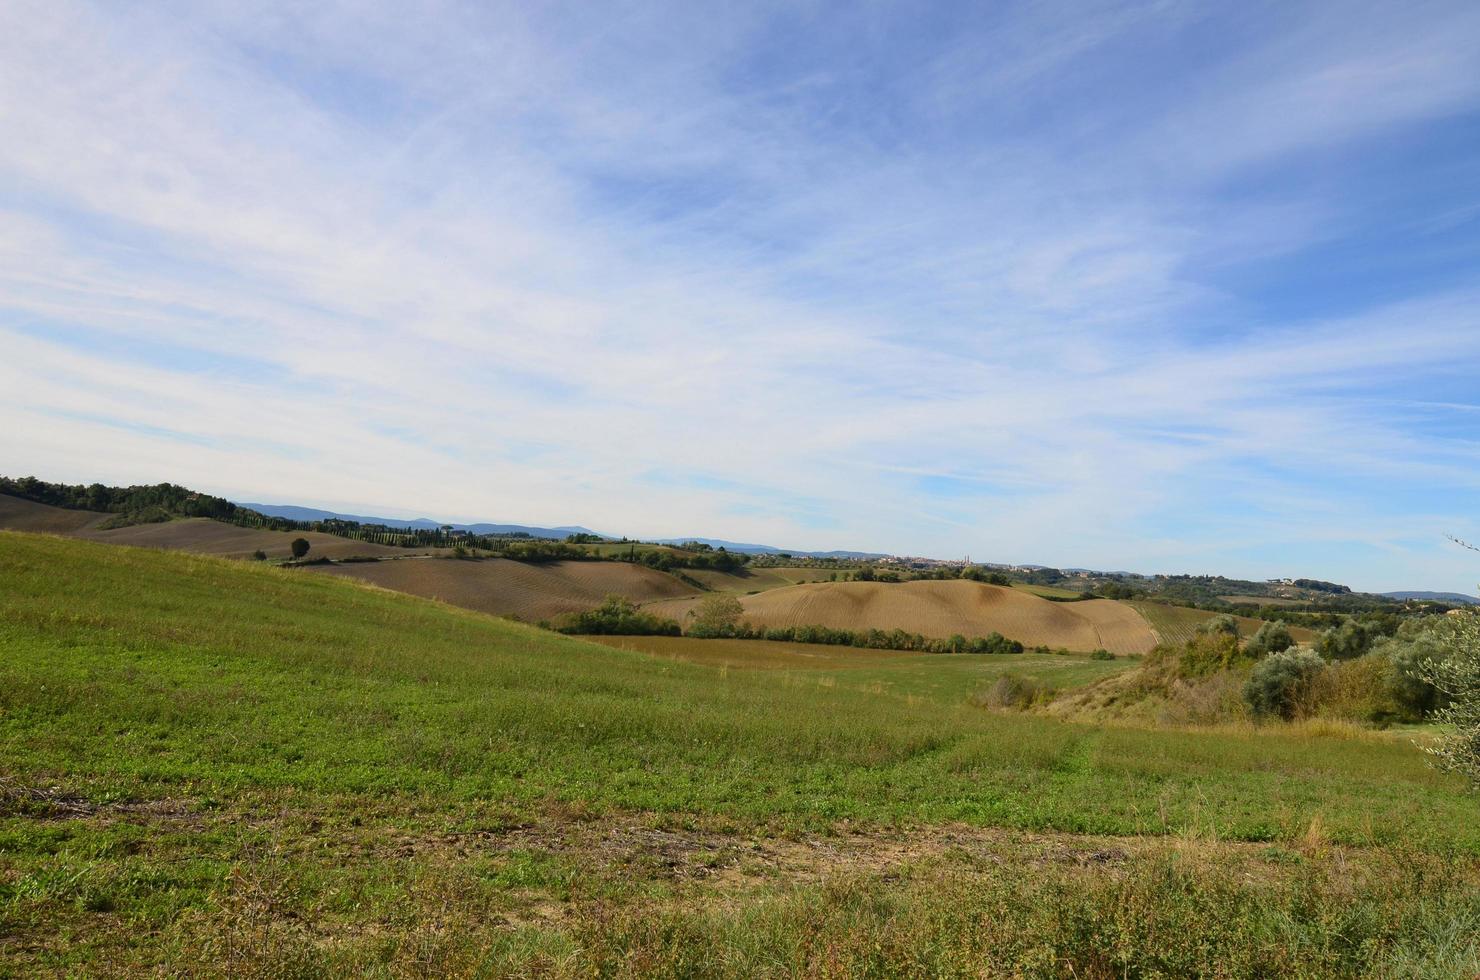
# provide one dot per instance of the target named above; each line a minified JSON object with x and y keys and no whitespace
{"x":1458,"y":677}
{"x":1280,"y":683}
{"x":1270,"y":638}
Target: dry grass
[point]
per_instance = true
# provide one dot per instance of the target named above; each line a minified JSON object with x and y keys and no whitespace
{"x":509,"y":588}
{"x":943,"y":608}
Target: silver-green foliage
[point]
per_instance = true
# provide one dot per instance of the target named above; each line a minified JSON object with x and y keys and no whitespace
{"x":1271,"y":638}
{"x":1458,"y":677}
{"x":1280,"y":684}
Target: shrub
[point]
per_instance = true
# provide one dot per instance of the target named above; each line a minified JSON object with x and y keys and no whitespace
{"x":1209,"y":651}
{"x":1280,"y":684}
{"x":299,"y":547}
{"x":1224,"y":625}
{"x":993,"y":642}
{"x":259,"y":555}
{"x":1457,"y":676}
{"x":1209,"y":700}
{"x":1270,"y":638}
{"x":1346,"y":642}
{"x":1102,"y":654}
{"x":1013,"y":691}
{"x":617,"y":616}
{"x":716,"y":616}
{"x":1357,"y":690}
{"x":1419,"y":640}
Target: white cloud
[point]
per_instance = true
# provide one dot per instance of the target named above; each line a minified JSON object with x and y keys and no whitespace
{"x":508,"y":264}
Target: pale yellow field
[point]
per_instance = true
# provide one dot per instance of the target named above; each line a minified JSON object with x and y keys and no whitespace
{"x":940,"y":609}
{"x":509,"y":588}
{"x":745,"y":581}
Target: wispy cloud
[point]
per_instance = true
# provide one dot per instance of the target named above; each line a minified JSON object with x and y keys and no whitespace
{"x":1014,"y":281}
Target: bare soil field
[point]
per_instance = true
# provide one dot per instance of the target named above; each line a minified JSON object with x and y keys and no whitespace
{"x":205,"y":536}
{"x":196,"y":534}
{"x":510,"y":588}
{"x":943,"y":608}
{"x":801,"y":576}
{"x":741,"y":582}
{"x":25,"y":515}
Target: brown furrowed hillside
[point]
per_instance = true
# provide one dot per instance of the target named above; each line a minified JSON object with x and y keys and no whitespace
{"x":743,"y":581}
{"x":207,"y":537}
{"x":27,"y":515}
{"x":510,"y":588}
{"x":943,"y":608}
{"x":196,"y":534}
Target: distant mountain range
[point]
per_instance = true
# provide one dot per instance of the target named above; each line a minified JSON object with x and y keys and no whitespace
{"x":1435,"y":596}
{"x":294,"y":513}
{"x":424,"y":523}
{"x":766,"y":549}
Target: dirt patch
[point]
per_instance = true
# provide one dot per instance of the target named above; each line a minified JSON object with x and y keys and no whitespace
{"x":529,"y":591}
{"x":57,"y":803}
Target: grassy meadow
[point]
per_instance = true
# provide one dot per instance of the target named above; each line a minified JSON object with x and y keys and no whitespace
{"x":910,"y":677}
{"x":215,"y":768}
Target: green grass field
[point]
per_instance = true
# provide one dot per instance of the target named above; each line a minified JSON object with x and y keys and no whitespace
{"x":945,"y":679}
{"x":215,"y":768}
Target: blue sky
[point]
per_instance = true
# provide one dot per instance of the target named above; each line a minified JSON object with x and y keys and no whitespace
{"x":1166,"y":287}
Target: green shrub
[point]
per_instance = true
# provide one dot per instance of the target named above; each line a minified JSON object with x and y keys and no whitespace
{"x":1424,"y":639}
{"x":1013,"y":691}
{"x":1102,"y":654}
{"x":718,"y":615}
{"x":1457,"y":676}
{"x":1346,"y":642}
{"x":1363,"y":690}
{"x":1224,"y":625}
{"x":1209,"y":651}
{"x":1280,"y":684}
{"x":1270,"y":638}
{"x":620,"y":617}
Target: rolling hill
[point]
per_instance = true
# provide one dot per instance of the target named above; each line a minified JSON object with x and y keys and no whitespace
{"x":530,"y":592}
{"x":27,"y":515}
{"x":295,"y":513}
{"x":1177,"y":624}
{"x":281,"y":773}
{"x":196,"y":534}
{"x":943,"y":608}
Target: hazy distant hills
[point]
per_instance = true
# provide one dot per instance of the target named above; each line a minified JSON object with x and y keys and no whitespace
{"x":294,"y":513}
{"x":766,"y":549}
{"x":310,"y":514}
{"x":1435,"y":596}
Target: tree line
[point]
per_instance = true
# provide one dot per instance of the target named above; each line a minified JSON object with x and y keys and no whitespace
{"x":718,"y":617}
